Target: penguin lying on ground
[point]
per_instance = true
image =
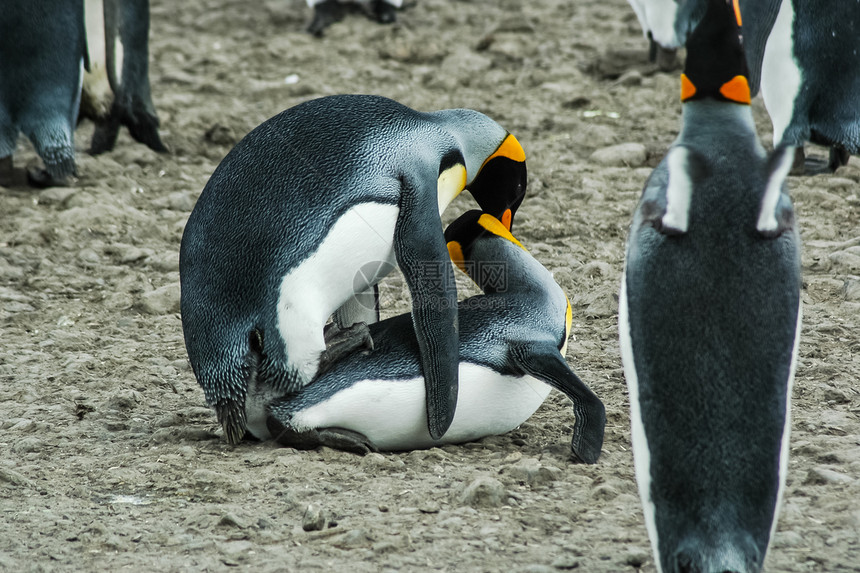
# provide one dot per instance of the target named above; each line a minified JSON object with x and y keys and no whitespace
{"x":805,"y":56}
{"x":117,"y":91}
{"x":42,"y":56}
{"x":317,"y":204}
{"x":327,"y":12}
{"x":512,"y":344}
{"x":709,"y":319}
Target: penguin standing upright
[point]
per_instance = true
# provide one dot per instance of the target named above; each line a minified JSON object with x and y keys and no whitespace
{"x":117,"y":91}
{"x":512,"y":344}
{"x":317,"y":204}
{"x":811,"y":79}
{"x":709,"y":318}
{"x":42,"y":57}
{"x":804,"y":55}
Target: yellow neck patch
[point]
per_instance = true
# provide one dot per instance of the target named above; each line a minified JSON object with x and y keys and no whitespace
{"x":568,"y":321}
{"x":451,"y":183}
{"x":494,"y":226}
{"x":737,"y":12}
{"x":688,"y":90}
{"x":455,"y":251}
{"x":737,"y":90}
{"x":509,"y":148}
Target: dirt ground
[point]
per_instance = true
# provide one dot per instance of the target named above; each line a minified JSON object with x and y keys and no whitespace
{"x":109,"y":457}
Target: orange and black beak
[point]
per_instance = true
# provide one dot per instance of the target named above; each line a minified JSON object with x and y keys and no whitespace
{"x":716,"y":66}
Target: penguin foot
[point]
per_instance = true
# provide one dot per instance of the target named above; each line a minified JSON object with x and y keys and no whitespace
{"x":337,"y":438}
{"x":41,"y":179}
{"x":343,"y":342}
{"x":384,"y":12}
{"x":143,"y":127}
{"x":325,"y":14}
{"x":839,"y":156}
{"x":7,"y":172}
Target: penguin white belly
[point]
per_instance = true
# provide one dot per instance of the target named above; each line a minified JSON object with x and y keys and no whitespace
{"x":641,"y":452}
{"x":356,"y":253}
{"x":392,"y":413}
{"x":780,"y":75}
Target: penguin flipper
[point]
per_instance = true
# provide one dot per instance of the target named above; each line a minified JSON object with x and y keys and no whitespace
{"x":337,"y":438}
{"x":545,"y":363}
{"x":422,"y":254}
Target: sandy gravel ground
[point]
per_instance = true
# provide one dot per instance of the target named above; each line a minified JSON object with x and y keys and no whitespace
{"x":110,"y":459}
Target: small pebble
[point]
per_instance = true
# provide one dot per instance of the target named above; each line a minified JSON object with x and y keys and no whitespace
{"x":484,"y":491}
{"x":314,"y":518}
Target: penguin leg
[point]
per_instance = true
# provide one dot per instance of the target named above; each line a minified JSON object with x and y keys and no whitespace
{"x":337,"y":438}
{"x":384,"y":12}
{"x":7,"y":172}
{"x":419,"y":246}
{"x":132,"y":106}
{"x":325,"y":14}
{"x":839,"y":156}
{"x":545,"y":363}
{"x":343,"y":342}
{"x":362,"y":307}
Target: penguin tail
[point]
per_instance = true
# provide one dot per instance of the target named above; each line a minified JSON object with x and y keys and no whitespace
{"x":700,"y":554}
{"x":225,"y":371}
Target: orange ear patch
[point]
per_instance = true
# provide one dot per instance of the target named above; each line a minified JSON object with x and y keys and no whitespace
{"x":737,"y":11}
{"x":688,"y":90}
{"x":736,"y":89}
{"x":455,"y":251}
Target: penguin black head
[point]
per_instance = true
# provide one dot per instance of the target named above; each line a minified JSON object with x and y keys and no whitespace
{"x":505,"y":169}
{"x":716,"y":67}
{"x":462,"y":235}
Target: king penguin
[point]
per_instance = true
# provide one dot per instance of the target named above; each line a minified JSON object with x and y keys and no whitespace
{"x":811,"y":79}
{"x":42,"y":57}
{"x":803,"y":55}
{"x":512,"y":344}
{"x":319,"y":203}
{"x":709,"y":320}
{"x":117,"y":90}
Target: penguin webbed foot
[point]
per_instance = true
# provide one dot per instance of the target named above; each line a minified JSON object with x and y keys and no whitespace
{"x":7,"y":172}
{"x":325,"y":14}
{"x":343,"y":342}
{"x":839,"y":156}
{"x":41,"y":179}
{"x":337,"y":438}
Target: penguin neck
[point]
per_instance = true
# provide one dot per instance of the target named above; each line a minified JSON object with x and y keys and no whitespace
{"x":726,"y":117}
{"x":477,"y":135}
{"x":517,"y":273}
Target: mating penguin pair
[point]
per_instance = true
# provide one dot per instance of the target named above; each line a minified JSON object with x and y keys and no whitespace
{"x":512,"y":344}
{"x":316,"y":205}
{"x":803,"y":54}
{"x":709,"y":319}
